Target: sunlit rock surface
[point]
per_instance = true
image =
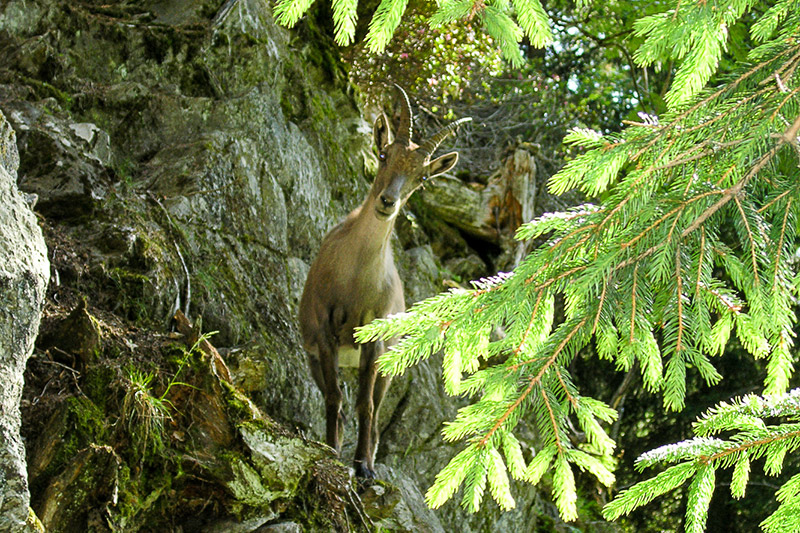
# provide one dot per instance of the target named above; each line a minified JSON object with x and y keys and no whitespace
{"x":23,"y":277}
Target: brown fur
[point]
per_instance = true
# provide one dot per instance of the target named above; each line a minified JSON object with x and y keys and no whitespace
{"x":353,"y":280}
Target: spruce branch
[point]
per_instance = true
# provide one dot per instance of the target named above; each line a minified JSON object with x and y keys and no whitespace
{"x":553,"y":423}
{"x":533,"y":318}
{"x":600,"y":305}
{"x":633,"y":301}
{"x":791,"y":94}
{"x":788,"y":136}
{"x":700,"y":457}
{"x":557,"y":278}
{"x":750,"y":239}
{"x":698,"y":280}
{"x":687,"y":246}
{"x":536,"y":380}
{"x":679,"y":297}
{"x":679,"y":120}
{"x":779,"y":247}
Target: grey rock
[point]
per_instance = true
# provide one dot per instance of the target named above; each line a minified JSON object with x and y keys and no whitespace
{"x":411,"y":512}
{"x":420,"y":269}
{"x":9,"y":155}
{"x":260,"y":524}
{"x":64,"y":169}
{"x":24,"y":272}
{"x":232,"y":526}
{"x":281,"y":527}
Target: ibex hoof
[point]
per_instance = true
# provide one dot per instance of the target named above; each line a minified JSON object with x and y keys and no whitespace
{"x":363,"y":471}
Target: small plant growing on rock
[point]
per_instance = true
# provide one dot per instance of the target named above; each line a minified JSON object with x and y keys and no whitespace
{"x":146,"y":413}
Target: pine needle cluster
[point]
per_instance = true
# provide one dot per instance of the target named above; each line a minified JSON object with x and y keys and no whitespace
{"x":506,"y":21}
{"x":692,"y":242}
{"x":751,"y":438}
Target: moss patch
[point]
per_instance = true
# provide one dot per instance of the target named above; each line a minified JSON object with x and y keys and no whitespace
{"x":78,"y":424}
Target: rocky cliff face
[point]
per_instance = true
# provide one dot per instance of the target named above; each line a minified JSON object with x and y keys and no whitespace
{"x":23,"y":278}
{"x":190,"y":156}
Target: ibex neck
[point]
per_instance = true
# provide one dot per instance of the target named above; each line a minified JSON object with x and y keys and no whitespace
{"x":375,"y":233}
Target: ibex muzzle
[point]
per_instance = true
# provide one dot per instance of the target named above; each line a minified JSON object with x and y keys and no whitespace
{"x":353,"y":280}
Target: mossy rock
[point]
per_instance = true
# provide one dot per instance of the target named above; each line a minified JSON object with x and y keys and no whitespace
{"x":77,"y":336}
{"x":77,"y":424}
{"x":97,"y":380}
{"x":74,"y":500}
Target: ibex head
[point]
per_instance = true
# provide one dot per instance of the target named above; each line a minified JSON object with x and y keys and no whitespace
{"x":403,"y":165}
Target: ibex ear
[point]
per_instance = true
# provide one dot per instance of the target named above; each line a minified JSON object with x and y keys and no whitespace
{"x":442,"y":164}
{"x":381,"y":132}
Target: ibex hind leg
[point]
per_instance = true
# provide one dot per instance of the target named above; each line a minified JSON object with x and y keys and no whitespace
{"x":381,"y":385}
{"x":365,"y":407}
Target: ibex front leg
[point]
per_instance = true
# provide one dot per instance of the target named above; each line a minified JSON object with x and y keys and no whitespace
{"x":329,"y":385}
{"x":366,"y":409}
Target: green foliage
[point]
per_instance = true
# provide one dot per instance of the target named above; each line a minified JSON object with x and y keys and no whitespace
{"x":534,"y":22}
{"x":289,"y":13}
{"x":695,"y":33}
{"x":434,"y":64}
{"x":497,"y":18}
{"x":144,"y":413}
{"x":455,"y":70}
{"x":384,"y":23}
{"x":690,"y":242}
{"x":752,"y":436}
{"x":344,"y":17}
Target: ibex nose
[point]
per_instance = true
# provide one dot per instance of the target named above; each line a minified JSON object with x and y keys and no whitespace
{"x":388,"y":202}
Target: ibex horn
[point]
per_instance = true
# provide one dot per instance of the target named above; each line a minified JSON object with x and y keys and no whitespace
{"x":430,"y":146}
{"x":404,"y":129}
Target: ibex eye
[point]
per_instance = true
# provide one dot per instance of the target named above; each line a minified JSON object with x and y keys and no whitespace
{"x":424,"y":178}
{"x":382,"y":156}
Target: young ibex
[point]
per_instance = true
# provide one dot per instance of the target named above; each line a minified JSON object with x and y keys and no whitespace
{"x":354,"y":280}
